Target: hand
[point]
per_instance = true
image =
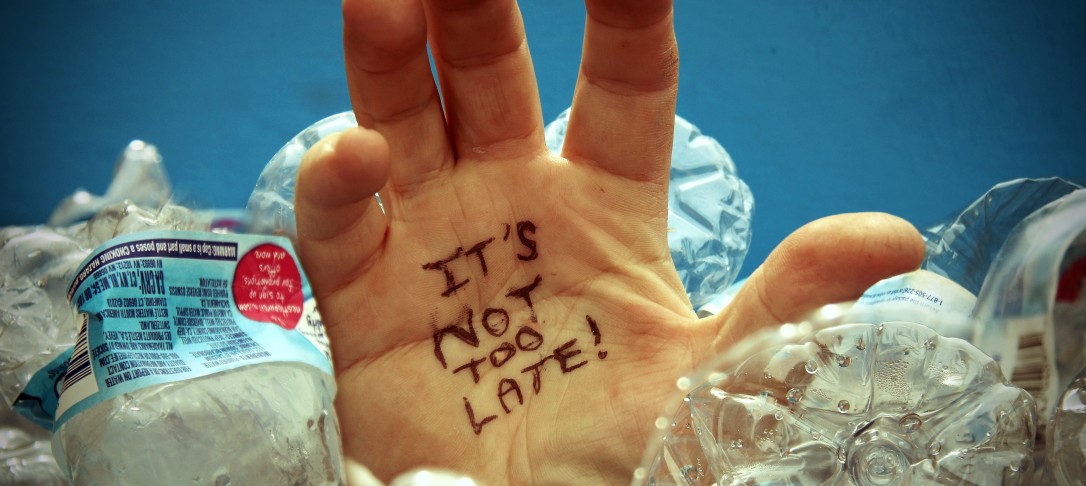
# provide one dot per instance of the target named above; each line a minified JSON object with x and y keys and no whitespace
{"x":510,"y":313}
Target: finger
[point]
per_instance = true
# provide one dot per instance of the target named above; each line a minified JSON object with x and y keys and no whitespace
{"x":831,"y":260}
{"x":340,"y":226}
{"x":487,"y":82}
{"x":391,"y":87}
{"x":623,"y":114}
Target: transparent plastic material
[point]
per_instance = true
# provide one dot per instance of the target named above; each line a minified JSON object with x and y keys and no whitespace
{"x":833,"y":402}
{"x":138,"y":178}
{"x":709,"y":210}
{"x":36,"y":267}
{"x":271,"y":204}
{"x":962,"y":247}
{"x":26,"y":453}
{"x":1031,"y":317}
{"x":709,"y":207}
{"x":1066,"y":463}
{"x":264,"y":424}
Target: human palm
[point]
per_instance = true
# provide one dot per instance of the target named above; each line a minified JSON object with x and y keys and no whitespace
{"x":506,"y":312}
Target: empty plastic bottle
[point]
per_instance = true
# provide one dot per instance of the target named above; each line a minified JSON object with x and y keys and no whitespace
{"x":261,"y":420}
{"x":847,"y":403}
{"x":1031,"y":317}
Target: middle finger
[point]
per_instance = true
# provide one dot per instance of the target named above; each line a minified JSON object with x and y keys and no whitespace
{"x":487,"y":82}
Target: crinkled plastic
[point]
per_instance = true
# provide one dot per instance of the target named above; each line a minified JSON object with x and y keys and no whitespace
{"x":709,"y":210}
{"x":26,"y":453}
{"x":36,"y":266}
{"x":138,"y":178}
{"x":272,"y":423}
{"x":709,"y":207}
{"x":836,"y":402}
{"x":271,"y":204}
{"x":1066,"y":463}
{"x":962,"y":247}
{"x":1031,"y":316}
{"x":230,"y":415}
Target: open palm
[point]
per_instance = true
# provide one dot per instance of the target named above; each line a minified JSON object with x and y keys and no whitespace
{"x":509,"y":313}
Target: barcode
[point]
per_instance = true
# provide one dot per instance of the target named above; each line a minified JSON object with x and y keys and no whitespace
{"x":80,"y":366}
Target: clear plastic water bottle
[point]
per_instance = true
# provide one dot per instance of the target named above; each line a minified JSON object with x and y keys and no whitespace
{"x":843,"y":402}
{"x":201,"y":359}
{"x":1065,"y":462}
{"x":271,"y":204}
{"x":36,"y":324}
{"x":26,"y":453}
{"x":963,"y":246}
{"x":264,"y":424}
{"x":1031,"y":317}
{"x":259,"y":422}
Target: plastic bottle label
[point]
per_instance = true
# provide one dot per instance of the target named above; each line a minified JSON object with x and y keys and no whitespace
{"x":167,"y":306}
{"x":922,"y":297}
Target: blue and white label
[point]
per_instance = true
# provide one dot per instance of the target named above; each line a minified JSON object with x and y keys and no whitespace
{"x":167,"y":306}
{"x":920,"y":296}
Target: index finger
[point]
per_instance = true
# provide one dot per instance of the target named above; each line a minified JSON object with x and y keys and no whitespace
{"x":623,"y":114}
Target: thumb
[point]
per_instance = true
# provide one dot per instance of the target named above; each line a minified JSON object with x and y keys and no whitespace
{"x":833,"y":259}
{"x":340,"y":225}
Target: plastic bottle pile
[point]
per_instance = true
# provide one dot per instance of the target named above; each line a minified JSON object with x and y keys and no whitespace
{"x":275,"y":421}
{"x":711,"y":214}
{"x":853,"y":396}
{"x":875,"y":393}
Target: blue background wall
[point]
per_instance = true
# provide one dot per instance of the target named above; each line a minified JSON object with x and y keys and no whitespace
{"x":911,"y":107}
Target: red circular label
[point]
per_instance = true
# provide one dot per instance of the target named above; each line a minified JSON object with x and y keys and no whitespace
{"x":268,"y":286}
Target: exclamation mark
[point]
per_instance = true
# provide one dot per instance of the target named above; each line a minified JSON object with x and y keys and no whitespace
{"x":595,"y":335}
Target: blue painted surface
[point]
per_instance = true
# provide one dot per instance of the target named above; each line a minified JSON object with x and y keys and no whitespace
{"x":827,"y":106}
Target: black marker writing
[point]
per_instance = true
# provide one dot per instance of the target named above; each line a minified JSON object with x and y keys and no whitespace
{"x":529,"y":339}
{"x":451,"y":284}
{"x":476,"y":426}
{"x":596,"y":336}
{"x":523,"y":228}
{"x":525,"y":293}
{"x":477,"y":250}
{"x":504,"y":387}
{"x":472,"y":365}
{"x":501,"y":354}
{"x":495,"y":321}
{"x":466,"y":334}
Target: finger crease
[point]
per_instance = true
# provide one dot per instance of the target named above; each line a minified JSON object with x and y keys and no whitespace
{"x":630,"y":89}
{"x":471,"y":62}
{"x":404,"y":113}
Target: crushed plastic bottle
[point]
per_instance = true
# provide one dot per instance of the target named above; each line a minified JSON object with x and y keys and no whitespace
{"x":139,"y":178}
{"x":921,"y":296}
{"x":193,"y":338}
{"x":962,"y":246}
{"x":26,"y":453}
{"x":709,"y":210}
{"x":1066,"y":463}
{"x":271,"y":204}
{"x":36,"y":264}
{"x":1031,"y":317}
{"x":275,"y":418}
{"x":709,"y":207}
{"x":264,"y":424}
{"x":846,"y":403}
